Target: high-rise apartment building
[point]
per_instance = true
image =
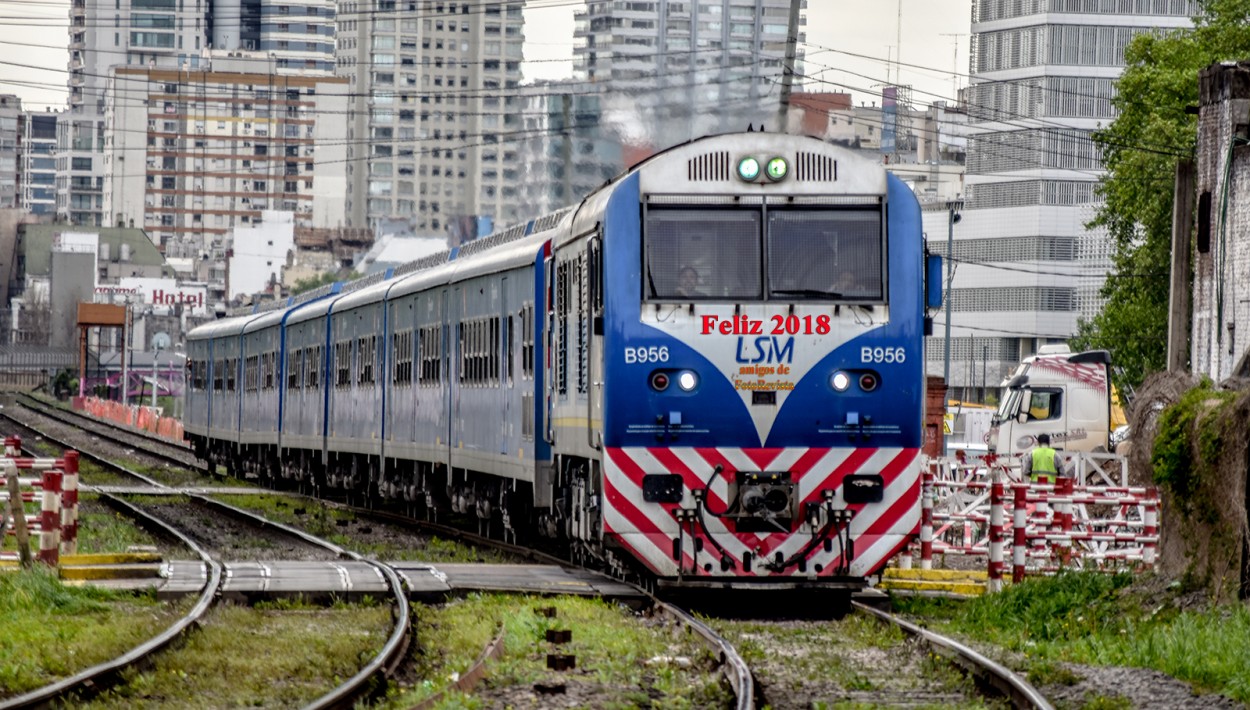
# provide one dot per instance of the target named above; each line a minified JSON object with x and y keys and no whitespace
{"x":10,"y":145}
{"x":38,"y":162}
{"x":167,"y":34}
{"x":1043,"y":74}
{"x":670,"y":70}
{"x":299,"y":33}
{"x":566,"y":153}
{"x":436,"y":120}
{"x":193,"y":154}
{"x":103,"y":34}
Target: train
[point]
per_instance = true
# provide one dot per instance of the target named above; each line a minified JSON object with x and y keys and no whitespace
{"x":709,"y":374}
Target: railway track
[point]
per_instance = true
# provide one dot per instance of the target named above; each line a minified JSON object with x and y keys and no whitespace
{"x":106,"y":675}
{"x":1000,"y":684}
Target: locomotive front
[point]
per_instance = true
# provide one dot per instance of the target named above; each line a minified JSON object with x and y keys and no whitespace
{"x":763,"y":363}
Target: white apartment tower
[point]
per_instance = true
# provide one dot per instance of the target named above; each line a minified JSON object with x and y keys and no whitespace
{"x":10,"y":151}
{"x":1043,"y":74}
{"x":436,"y":118}
{"x":676,"y":69}
{"x":103,"y":34}
{"x":192,"y":155}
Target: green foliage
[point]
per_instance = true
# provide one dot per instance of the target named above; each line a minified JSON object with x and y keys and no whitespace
{"x":1098,"y":619}
{"x":1175,"y":466}
{"x":320,"y":280}
{"x":1140,"y":150}
{"x":1062,"y":607}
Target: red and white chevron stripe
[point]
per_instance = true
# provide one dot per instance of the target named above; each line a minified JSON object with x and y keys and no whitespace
{"x":647,"y":530}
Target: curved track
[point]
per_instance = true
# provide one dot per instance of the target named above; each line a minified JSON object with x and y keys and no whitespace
{"x":100,"y":677}
{"x":737,"y":672}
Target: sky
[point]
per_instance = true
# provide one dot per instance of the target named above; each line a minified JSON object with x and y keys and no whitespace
{"x":849,"y":45}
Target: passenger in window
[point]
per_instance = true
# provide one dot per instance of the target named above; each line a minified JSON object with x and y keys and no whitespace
{"x":688,"y":283}
{"x":845,"y":284}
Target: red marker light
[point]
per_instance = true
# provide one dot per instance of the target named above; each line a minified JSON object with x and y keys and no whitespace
{"x":868,"y":382}
{"x":659,"y":381}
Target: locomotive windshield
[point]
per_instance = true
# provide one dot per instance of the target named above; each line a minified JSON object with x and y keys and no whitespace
{"x":757,"y":253}
{"x":703,"y":254}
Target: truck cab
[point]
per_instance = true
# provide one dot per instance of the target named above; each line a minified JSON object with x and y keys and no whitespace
{"x":1056,"y":392}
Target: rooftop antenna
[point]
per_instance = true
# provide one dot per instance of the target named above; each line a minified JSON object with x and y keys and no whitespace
{"x":955,"y":64}
{"x":750,"y":128}
{"x":898,"y":38}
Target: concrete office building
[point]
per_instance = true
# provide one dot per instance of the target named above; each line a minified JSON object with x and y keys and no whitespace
{"x":431,"y":133}
{"x":38,"y":162}
{"x":670,"y":70}
{"x":1043,"y":75}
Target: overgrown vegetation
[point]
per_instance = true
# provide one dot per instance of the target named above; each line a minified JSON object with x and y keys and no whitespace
{"x":344,"y":528}
{"x":611,"y":645}
{"x":1100,"y":619}
{"x":281,"y":654}
{"x":1177,"y":464}
{"x":51,"y":631}
{"x":1140,"y":149}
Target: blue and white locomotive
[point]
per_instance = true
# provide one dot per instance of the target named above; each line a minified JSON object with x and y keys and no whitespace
{"x":710,"y":372}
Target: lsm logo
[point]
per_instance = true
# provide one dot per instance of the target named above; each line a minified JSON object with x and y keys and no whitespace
{"x":766,"y":348}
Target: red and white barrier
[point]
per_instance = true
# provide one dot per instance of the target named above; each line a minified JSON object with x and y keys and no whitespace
{"x":966,"y":507}
{"x":56,"y":490}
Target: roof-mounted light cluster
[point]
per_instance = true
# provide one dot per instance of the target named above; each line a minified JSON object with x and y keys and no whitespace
{"x":774,"y":170}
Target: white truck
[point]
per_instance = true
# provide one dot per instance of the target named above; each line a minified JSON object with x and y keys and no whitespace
{"x":1056,"y":392}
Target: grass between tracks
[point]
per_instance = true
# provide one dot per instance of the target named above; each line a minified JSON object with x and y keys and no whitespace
{"x":622,"y":660}
{"x":50,"y":631}
{"x":1105,"y":620}
{"x":275,"y":654}
{"x":346,"y":529}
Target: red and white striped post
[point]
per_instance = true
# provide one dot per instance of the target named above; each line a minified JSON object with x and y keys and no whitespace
{"x":926,"y":520}
{"x":1019,"y":539}
{"x":12,"y":446}
{"x":50,"y":519}
{"x":1063,"y":519}
{"x":69,"y":501}
{"x":997,"y":495}
{"x":1150,"y":527}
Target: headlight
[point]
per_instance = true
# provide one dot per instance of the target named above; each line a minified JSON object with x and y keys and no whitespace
{"x":840,"y":381}
{"x":777,"y":169}
{"x":687,"y":380}
{"x":748,"y":169}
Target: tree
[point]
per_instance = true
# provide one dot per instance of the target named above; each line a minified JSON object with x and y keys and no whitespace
{"x":322,"y":279}
{"x":1141,"y":147}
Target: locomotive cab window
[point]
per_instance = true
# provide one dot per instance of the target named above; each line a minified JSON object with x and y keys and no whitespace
{"x":764,"y":252}
{"x":825,"y":254}
{"x":702,"y":254}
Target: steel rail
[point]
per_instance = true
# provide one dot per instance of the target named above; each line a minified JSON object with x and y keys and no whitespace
{"x":1015,"y":688}
{"x":185,"y":459}
{"x":388,"y":658}
{"x":105,"y":675}
{"x":45,"y":406}
{"x":736,"y":670}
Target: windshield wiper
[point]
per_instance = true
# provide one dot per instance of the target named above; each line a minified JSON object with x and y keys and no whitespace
{"x":807,"y":292}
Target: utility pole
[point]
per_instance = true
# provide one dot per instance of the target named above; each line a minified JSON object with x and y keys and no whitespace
{"x":566,"y":148}
{"x":787,"y":69}
{"x":952,"y":216}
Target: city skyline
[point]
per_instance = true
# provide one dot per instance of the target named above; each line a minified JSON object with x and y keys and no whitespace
{"x":850,"y":47}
